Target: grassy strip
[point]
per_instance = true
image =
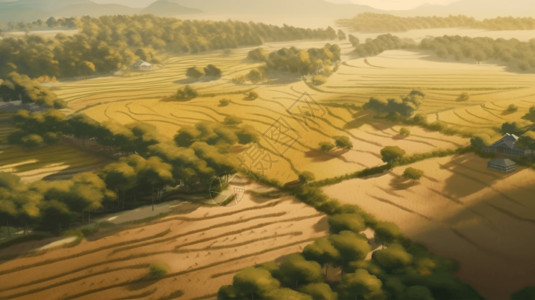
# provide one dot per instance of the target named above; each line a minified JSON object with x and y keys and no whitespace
{"x":25,"y":238}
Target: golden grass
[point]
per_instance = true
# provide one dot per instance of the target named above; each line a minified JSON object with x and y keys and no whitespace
{"x":57,"y":162}
{"x":203,"y":250}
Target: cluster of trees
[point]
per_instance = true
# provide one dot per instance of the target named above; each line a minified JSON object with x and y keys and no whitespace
{"x":110,"y":43}
{"x":342,"y":142}
{"x":300,"y":62}
{"x":370,"y":22}
{"x":381,"y":43}
{"x":398,"y":270}
{"x":188,"y":163}
{"x":21,"y":87}
{"x":513,"y":53}
{"x":50,"y":23}
{"x":209,"y":71}
{"x":403,"y":107}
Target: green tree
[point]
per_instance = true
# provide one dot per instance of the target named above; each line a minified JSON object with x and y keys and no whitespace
{"x":392,"y":154}
{"x":360,"y":285}
{"x":393,"y":257}
{"x":296,"y":271}
{"x":286,"y":294}
{"x":412,"y":173}
{"x":404,"y":132}
{"x":186,"y":136}
{"x":351,"y":247}
{"x":319,"y":291}
{"x":232,"y":120}
{"x":343,"y":142}
{"x":323,"y":252}
{"x":306,"y":176}
{"x":212,"y":71}
{"x":530,"y":116}
{"x":186,"y":93}
{"x":195,"y":72}
{"x":341,"y":222}
{"x":254,"y":283}
{"x":386,"y":232}
{"x":418,"y":292}
{"x":326,"y":146}
{"x":527,"y":140}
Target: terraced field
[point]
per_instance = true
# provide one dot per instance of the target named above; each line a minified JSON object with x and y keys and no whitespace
{"x":293,"y":108}
{"x":54,"y":162}
{"x":202,"y":249}
{"x":460,"y":209}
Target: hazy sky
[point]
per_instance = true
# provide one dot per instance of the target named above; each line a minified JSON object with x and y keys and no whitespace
{"x":382,"y":4}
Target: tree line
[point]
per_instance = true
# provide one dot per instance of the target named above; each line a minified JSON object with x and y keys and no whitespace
{"x":515,"y":54}
{"x":150,"y":166}
{"x":371,"y":22}
{"x":110,"y":43}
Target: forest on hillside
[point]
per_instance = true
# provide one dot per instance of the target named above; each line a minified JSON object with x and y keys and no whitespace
{"x":372,"y":22}
{"x":111,"y":43}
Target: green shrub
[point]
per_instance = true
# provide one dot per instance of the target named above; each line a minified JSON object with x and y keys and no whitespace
{"x":186,"y":93}
{"x":157,"y":271}
{"x":404,"y":132}
{"x":224,"y":102}
{"x":412,"y":173}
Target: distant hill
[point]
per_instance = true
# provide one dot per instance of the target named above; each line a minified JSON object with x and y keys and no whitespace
{"x":477,"y":8}
{"x":167,"y":8}
{"x":30,"y":10}
{"x":309,"y":8}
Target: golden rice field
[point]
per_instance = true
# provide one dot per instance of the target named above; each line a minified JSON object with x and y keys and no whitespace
{"x":54,"y":162}
{"x":460,"y":209}
{"x":203,"y":248}
{"x":137,"y":97}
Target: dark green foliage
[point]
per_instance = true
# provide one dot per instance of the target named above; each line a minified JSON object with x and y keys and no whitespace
{"x":381,"y":43}
{"x":212,"y":71}
{"x":322,"y":251}
{"x":527,"y":293}
{"x":479,"y":142}
{"x":527,"y":140}
{"x":530,"y":116}
{"x":513,"y":53}
{"x":511,"y":109}
{"x":232,"y":120}
{"x":304,"y":62}
{"x":319,"y":291}
{"x":372,"y":22}
{"x":296,"y":271}
{"x":417,"y":292}
{"x":512,"y":128}
{"x":412,"y":173}
{"x":386,"y":232}
{"x":157,"y":271}
{"x":252,"y":95}
{"x":194,"y":72}
{"x":247,"y":134}
{"x":325,"y":146}
{"x":224,"y":102}
{"x":186,"y":93}
{"x":21,"y":87}
{"x":306,"y":177}
{"x":253,"y":283}
{"x":360,"y":285}
{"x":395,"y":108}
{"x":341,"y":222}
{"x":405,"y":132}
{"x":392,"y":154}
{"x":343,"y":142}
{"x":352,"y":247}
{"x":186,"y":136}
{"x":443,"y":286}
{"x":393,"y":257}
{"x":286,"y":294}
